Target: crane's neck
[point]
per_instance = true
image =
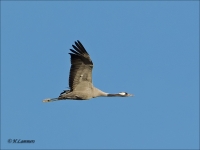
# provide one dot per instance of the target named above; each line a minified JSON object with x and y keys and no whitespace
{"x":98,"y":92}
{"x":113,"y":95}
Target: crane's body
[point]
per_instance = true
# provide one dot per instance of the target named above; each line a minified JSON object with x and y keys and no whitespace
{"x":80,"y":78}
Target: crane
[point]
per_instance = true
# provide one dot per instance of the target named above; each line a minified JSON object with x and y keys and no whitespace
{"x":80,"y":78}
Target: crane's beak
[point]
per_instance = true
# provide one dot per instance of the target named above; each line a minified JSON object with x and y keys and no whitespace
{"x":131,"y":95}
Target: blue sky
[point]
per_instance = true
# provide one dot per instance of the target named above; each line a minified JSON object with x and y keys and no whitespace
{"x":149,"y":49}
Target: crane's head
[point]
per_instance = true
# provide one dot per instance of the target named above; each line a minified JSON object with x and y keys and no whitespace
{"x":125,"y":94}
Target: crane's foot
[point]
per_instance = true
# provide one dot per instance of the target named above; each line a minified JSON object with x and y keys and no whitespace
{"x":50,"y":100}
{"x":47,"y":100}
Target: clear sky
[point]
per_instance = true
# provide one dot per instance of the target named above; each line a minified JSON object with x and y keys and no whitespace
{"x":149,"y":49}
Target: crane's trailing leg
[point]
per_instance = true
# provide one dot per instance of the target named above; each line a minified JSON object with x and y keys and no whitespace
{"x":50,"y":100}
{"x":61,"y":97}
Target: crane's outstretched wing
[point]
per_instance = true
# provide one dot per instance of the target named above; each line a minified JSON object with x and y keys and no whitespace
{"x":81,"y":66}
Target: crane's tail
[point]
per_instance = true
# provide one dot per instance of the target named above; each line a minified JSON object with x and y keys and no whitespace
{"x":50,"y":100}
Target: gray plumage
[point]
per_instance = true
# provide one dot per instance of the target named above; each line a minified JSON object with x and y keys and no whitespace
{"x":80,"y":78}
